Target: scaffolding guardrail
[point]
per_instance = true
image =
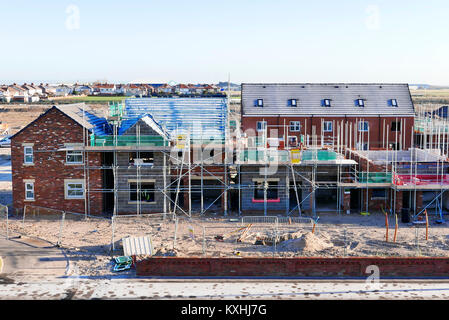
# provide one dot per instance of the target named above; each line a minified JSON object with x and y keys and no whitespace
{"x":101,"y":141}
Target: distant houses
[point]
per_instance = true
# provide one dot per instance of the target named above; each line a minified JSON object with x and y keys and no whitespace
{"x":104,"y":89}
{"x":29,"y":92}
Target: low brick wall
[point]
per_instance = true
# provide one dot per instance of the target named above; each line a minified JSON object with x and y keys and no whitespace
{"x":293,"y":267}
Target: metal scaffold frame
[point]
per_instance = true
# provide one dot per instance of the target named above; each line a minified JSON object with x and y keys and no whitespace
{"x":346,"y":140}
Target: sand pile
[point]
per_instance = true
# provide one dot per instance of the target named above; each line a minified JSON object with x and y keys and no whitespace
{"x":307,"y":243}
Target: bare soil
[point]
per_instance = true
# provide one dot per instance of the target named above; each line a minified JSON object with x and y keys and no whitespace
{"x":88,"y":242}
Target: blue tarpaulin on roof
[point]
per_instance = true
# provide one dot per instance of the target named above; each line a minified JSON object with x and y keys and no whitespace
{"x":101,"y":126}
{"x":202,"y":118}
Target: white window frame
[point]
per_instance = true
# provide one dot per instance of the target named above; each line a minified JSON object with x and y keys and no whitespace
{"x":296,"y":125}
{"x":327,"y":102}
{"x":363,"y":129}
{"x":360,"y":102}
{"x":74,"y":162}
{"x":293,"y":102}
{"x":264,"y":126}
{"x":67,"y":182}
{"x":259,"y":103}
{"x":326,"y":128}
{"x":29,"y":183}
{"x":25,"y":155}
{"x":394,"y":102}
{"x":362,"y":146}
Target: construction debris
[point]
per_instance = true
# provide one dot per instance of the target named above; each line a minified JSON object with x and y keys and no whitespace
{"x":122,"y":263}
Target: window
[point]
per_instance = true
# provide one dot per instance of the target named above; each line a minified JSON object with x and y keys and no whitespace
{"x":28,"y":155}
{"x":378,"y":194}
{"x":362,"y":146}
{"x":394,"y":102}
{"x":396,"y":126}
{"x":272,"y":191}
{"x":327,"y":126}
{"x":295,"y":126}
{"x":261,"y":125}
{"x":74,"y":189}
{"x":74,"y":157}
{"x":259,"y":103}
{"x":363,"y":126}
{"x":142,"y":158}
{"x":29,"y":191}
{"x":360,"y":103}
{"x":293,"y":102}
{"x":146,"y":192}
{"x":327,"y":102}
{"x":292,"y":141}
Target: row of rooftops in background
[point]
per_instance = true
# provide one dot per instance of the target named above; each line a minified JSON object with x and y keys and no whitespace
{"x":30,"y":92}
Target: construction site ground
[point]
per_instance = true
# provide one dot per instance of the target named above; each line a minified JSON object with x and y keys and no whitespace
{"x":88,"y":242}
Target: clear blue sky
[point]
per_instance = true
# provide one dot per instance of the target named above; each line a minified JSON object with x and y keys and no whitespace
{"x":203,"y":41}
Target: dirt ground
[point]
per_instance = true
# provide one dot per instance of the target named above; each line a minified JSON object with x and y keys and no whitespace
{"x":88,"y":242}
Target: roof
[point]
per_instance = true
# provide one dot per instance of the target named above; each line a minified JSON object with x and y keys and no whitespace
{"x":149,"y":121}
{"x":201,"y":117}
{"x":107,"y":86}
{"x":87,"y":117}
{"x":276,"y":96}
{"x":92,"y":118}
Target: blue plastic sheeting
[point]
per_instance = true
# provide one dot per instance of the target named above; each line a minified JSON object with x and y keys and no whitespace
{"x":100,"y":125}
{"x":202,"y":118}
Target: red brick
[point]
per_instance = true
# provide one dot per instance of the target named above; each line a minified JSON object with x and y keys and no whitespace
{"x":48,"y":133}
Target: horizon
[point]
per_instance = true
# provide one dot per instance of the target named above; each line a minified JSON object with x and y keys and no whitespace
{"x":203,"y":42}
{"x":173,"y":83}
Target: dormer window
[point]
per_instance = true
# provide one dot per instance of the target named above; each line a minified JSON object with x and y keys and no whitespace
{"x":394,"y":102}
{"x":293,"y":102}
{"x":259,"y":103}
{"x":360,"y":103}
{"x":327,"y":102}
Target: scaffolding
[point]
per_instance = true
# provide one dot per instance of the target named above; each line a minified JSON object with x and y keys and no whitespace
{"x":228,"y":172}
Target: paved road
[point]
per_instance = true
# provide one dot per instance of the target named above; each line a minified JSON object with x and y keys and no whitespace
{"x":76,"y":288}
{"x":25,"y":257}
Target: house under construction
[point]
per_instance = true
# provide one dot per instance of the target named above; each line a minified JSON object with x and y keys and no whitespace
{"x":197,"y":156}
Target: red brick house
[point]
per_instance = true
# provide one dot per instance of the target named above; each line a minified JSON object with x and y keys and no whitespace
{"x":46,"y":173}
{"x":375,"y":115}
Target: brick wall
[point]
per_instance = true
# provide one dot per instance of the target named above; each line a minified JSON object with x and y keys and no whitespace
{"x":293,"y":267}
{"x":377,"y":134}
{"x":48,"y":133}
